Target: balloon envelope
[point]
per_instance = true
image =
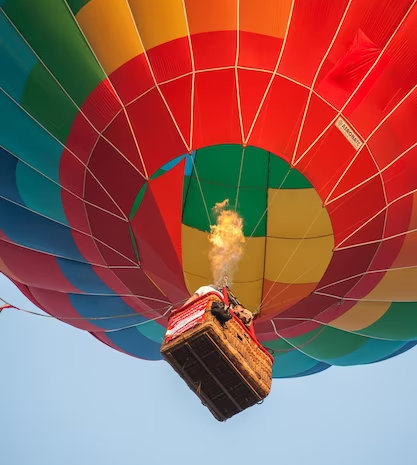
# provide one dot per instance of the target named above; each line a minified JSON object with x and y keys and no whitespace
{"x":123,"y":123}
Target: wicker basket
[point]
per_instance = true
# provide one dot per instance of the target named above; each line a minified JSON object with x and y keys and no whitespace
{"x":223,"y":364}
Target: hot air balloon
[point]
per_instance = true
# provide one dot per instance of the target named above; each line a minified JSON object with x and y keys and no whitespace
{"x":122,"y":123}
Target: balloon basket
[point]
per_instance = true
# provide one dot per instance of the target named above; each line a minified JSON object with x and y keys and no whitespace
{"x":223,"y":364}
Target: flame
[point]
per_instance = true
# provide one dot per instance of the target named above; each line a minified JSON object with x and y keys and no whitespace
{"x":227,"y":241}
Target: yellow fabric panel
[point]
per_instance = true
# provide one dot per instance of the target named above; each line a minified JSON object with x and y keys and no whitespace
{"x":297,"y":261}
{"x":249,"y":294}
{"x":194,"y":282}
{"x":267,"y":17}
{"x":362,"y":315}
{"x":277,"y":297}
{"x":195,"y":256}
{"x":212,"y":15}
{"x":159,"y":21}
{"x":111,"y":32}
{"x":291,"y":212}
{"x":396,"y":286}
{"x":408,"y":253}
{"x":248,"y":279}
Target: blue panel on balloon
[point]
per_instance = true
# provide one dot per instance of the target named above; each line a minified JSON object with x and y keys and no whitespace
{"x":153,"y":331}
{"x":113,"y":309}
{"x":36,"y":232}
{"x":372,"y":351}
{"x":404,"y":348}
{"x":27,"y":140}
{"x":39,"y":193}
{"x":292,"y":364}
{"x":134,"y":343}
{"x":16,"y":59}
{"x":8,"y":188}
{"x":319,"y":367}
{"x":83,"y":277}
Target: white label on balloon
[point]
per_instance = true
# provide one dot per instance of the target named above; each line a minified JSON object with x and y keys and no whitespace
{"x":348,"y":132}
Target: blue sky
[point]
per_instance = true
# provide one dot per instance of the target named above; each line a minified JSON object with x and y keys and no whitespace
{"x":66,"y":398}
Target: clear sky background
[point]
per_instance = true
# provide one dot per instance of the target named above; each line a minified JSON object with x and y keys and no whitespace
{"x":67,"y":399}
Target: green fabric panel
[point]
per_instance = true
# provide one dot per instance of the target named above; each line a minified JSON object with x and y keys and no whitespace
{"x":47,"y":103}
{"x":218,"y":169}
{"x":251,"y":206}
{"x":137,"y":201}
{"x":294,"y":363}
{"x":221,"y":164}
{"x":278,"y":171}
{"x":135,"y":247}
{"x":39,"y":193}
{"x":328,"y":343}
{"x":50,"y":29}
{"x":399,"y":323}
{"x":187,"y":181}
{"x":153,"y":331}
{"x":279,"y":346}
{"x":158,"y":173}
{"x":76,"y":5}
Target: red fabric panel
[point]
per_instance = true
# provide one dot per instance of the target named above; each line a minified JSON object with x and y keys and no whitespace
{"x":141,"y":306}
{"x":371,"y":231}
{"x":365,"y":285}
{"x":132,"y":79}
{"x":345,"y":264}
{"x":71,"y":172}
{"x":95,"y":194}
{"x":280,"y":117}
{"x":335,"y":311}
{"x":102,"y":337}
{"x":171,"y":59}
{"x":157,"y":136}
{"x":307,"y":308}
{"x":353,"y":210}
{"x":114,"y":171}
{"x":59,"y":305}
{"x":388,"y":251}
{"x":313,"y":26}
{"x":122,"y":137}
{"x":264,"y":330}
{"x":214,"y":49}
{"x":87,"y":247}
{"x":139,"y":284}
{"x":178,"y":97}
{"x":25,"y":290}
{"x":114,"y":232}
{"x":258,"y":51}
{"x":295,"y":329}
{"x":362,"y":168}
{"x":157,"y":229}
{"x":355,"y":63}
{"x":318,"y":116}
{"x":75,"y":212}
{"x":216,"y":118}
{"x":399,"y":217}
{"x":400,"y":178}
{"x":169,"y":204}
{"x":102,"y":105}
{"x":34,"y":268}
{"x":81,"y":139}
{"x":112,"y":257}
{"x":321,"y":166}
{"x":252,"y":87}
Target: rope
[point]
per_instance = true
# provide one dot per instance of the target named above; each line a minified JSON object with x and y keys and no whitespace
{"x":128,"y":315}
